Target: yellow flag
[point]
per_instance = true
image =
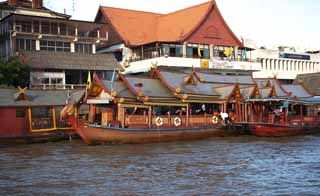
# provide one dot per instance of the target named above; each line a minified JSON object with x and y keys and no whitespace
{"x":199,"y":52}
{"x":89,"y":83}
{"x":228,"y":51}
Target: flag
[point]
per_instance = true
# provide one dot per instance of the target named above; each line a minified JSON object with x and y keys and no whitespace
{"x":199,"y":52}
{"x":113,"y":79}
{"x":89,"y":83}
{"x":285,"y":105}
{"x":244,"y":54}
{"x":228,"y":52}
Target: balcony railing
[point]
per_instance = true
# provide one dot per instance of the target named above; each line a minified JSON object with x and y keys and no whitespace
{"x":57,"y":86}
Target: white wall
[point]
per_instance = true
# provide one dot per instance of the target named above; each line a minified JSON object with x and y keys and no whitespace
{"x":145,"y":65}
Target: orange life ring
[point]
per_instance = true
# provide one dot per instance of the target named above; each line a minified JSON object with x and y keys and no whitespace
{"x":215,"y":119}
{"x":159,"y":121}
{"x":177,"y":121}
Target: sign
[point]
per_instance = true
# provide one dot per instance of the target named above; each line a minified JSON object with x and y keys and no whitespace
{"x":204,"y":63}
{"x":294,"y":56}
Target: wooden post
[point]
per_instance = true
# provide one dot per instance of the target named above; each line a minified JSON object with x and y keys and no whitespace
{"x":187,"y":114}
{"x":53,"y":110}
{"x":92,"y":112}
{"x":150,"y":116}
{"x":121,"y":115}
{"x":30,"y":119}
{"x":301,"y":114}
{"x":169,"y":118}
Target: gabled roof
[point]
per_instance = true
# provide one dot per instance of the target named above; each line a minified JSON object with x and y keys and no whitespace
{"x":265,"y":82}
{"x":226,"y":79}
{"x":147,"y":87}
{"x":139,"y":28}
{"x":225,"y":91}
{"x":297,"y":91}
{"x":68,"y":60}
{"x":265,"y":92}
{"x":176,"y":80}
{"x":311,"y":81}
{"x":39,"y":98}
{"x":247,"y":92}
{"x":119,"y":87}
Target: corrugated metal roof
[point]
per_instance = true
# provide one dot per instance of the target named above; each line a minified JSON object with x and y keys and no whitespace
{"x":67,"y":60}
{"x":39,"y":98}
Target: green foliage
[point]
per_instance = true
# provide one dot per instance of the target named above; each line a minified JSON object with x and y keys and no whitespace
{"x":14,"y":73}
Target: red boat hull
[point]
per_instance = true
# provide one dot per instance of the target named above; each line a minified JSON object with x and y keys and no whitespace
{"x":273,"y":130}
{"x":102,"y":135}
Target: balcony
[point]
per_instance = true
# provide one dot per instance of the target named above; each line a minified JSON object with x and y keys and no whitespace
{"x":213,"y":63}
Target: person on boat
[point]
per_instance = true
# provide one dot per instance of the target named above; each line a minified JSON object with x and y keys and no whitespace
{"x":225,"y":117}
{"x":277,"y":112}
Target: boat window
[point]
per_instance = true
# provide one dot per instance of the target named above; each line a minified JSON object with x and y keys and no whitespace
{"x":20,"y":113}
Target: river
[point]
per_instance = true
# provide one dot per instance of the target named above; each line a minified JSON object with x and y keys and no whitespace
{"x":244,"y":165}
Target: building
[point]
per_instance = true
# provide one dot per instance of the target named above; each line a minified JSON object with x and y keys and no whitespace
{"x":311,"y":81}
{"x":196,"y":36}
{"x":60,"y":51}
{"x":285,"y":64}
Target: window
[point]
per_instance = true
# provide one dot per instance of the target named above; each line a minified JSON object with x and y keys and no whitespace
{"x":174,"y":50}
{"x":198,"y":51}
{"x":42,"y":112}
{"x":83,"y":48}
{"x":25,"y":44}
{"x":56,"y":46}
{"x":20,"y":113}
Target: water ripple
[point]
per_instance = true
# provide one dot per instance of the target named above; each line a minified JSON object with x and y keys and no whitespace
{"x":219,"y":166}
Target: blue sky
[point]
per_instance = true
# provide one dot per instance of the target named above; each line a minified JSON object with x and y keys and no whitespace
{"x":268,"y":22}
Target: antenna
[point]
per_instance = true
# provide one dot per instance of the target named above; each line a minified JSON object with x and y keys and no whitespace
{"x":73,"y":6}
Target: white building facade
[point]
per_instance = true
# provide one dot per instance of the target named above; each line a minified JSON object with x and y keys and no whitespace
{"x":285,"y":64}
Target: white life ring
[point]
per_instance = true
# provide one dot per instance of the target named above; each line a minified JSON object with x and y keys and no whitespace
{"x":215,"y":119}
{"x":159,"y":121}
{"x":177,"y":121}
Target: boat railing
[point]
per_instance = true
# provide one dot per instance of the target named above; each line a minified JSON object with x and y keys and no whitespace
{"x":42,"y":123}
{"x":170,"y":120}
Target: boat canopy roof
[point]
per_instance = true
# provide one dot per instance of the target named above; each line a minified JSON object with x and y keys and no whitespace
{"x":310,"y":100}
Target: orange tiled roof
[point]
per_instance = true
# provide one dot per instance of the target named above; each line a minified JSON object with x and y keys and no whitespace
{"x":138,"y":27}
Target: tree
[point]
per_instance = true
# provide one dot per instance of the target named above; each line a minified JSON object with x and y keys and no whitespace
{"x":14,"y":73}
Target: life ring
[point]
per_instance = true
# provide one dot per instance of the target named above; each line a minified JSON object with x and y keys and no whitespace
{"x":159,"y":121}
{"x":177,"y":121}
{"x":215,"y":119}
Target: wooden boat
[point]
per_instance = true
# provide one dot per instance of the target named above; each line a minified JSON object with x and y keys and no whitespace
{"x":97,"y":134}
{"x":297,"y":117}
{"x":280,"y":130}
{"x":139,"y":109}
{"x":33,"y":116}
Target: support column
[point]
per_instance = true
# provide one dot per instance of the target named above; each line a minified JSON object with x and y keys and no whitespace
{"x":236,"y":52}
{"x":72,"y":47}
{"x":150,"y":117}
{"x":37,"y":44}
{"x":211,"y":52}
{"x":92,"y":113}
{"x":54,"y":121}
{"x":184,"y":49}
{"x":30,"y":119}
{"x":93,"y":48}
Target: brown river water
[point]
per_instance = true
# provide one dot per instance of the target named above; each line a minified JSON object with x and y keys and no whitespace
{"x":244,"y":165}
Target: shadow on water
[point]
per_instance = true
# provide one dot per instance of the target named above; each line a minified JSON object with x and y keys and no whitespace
{"x":240,"y":165}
